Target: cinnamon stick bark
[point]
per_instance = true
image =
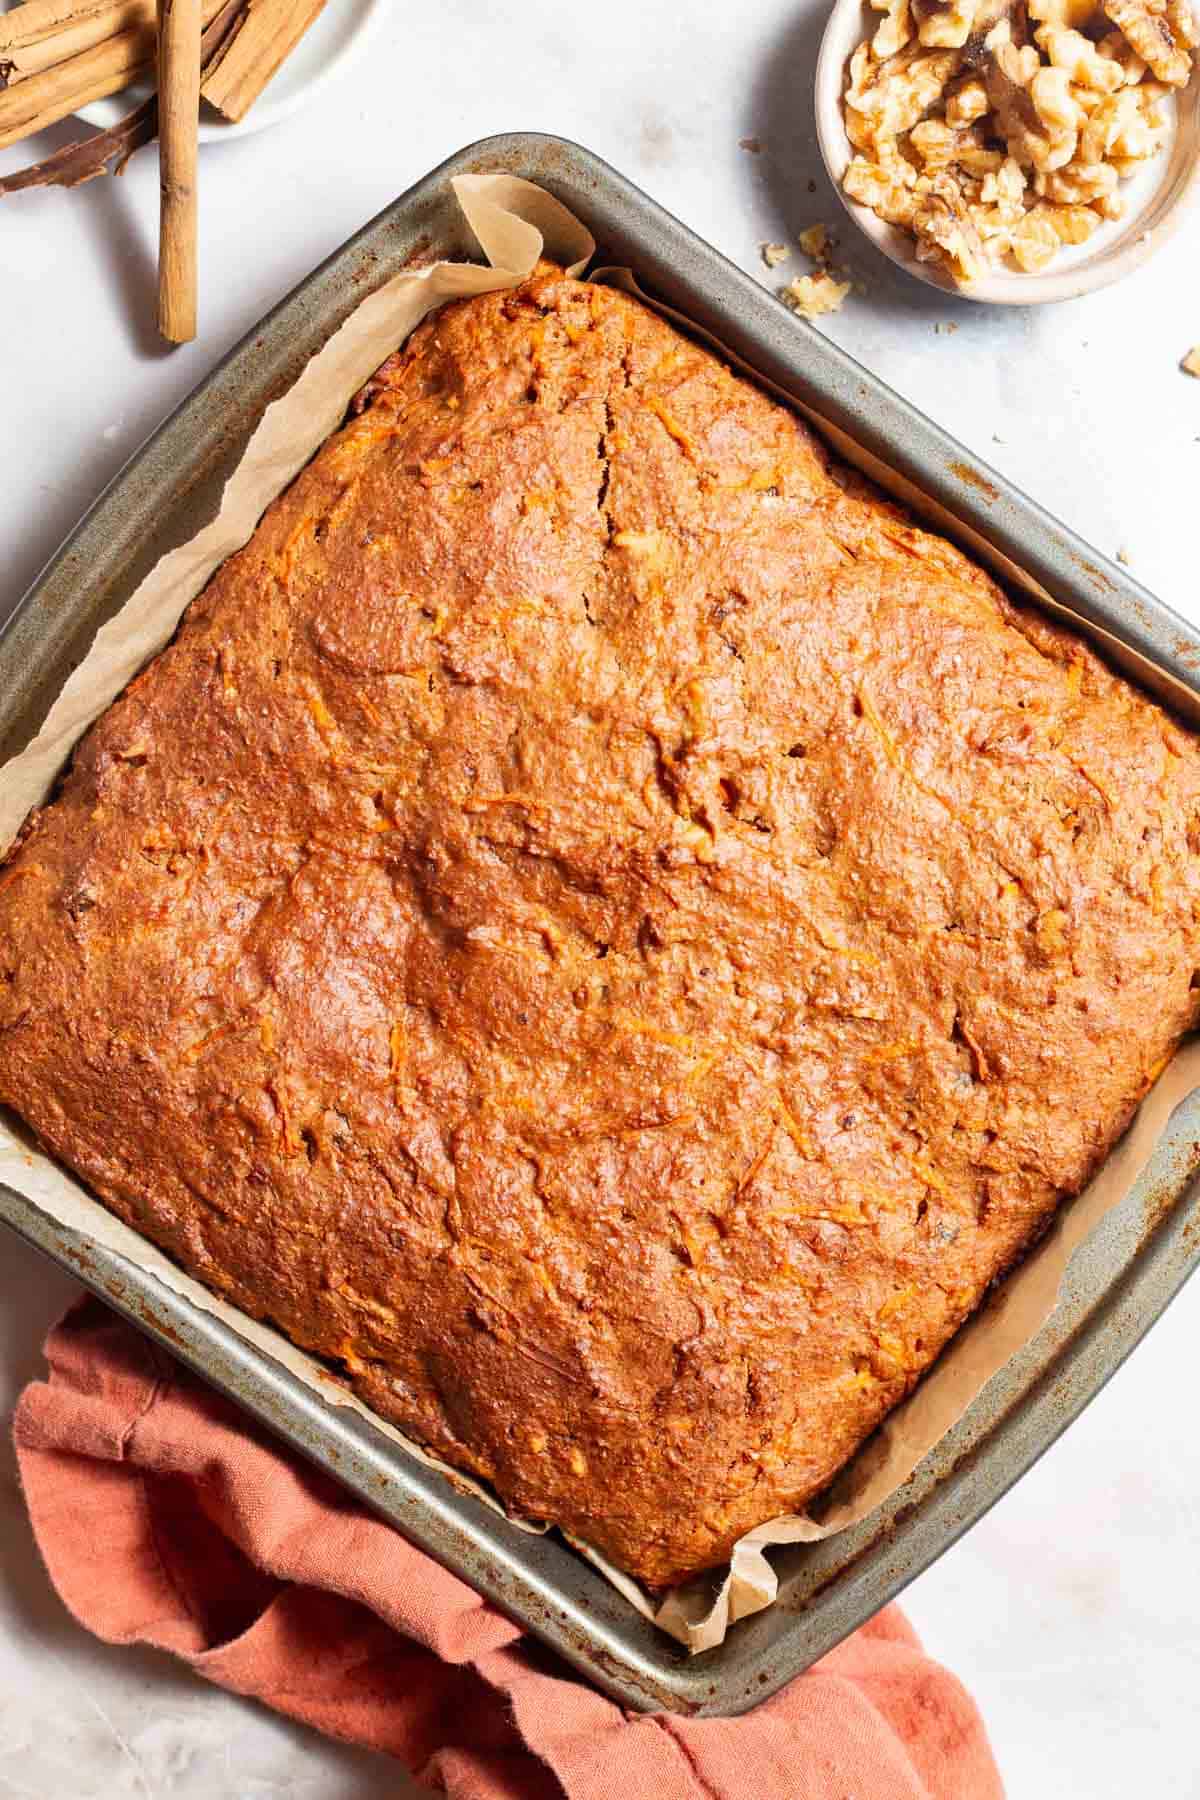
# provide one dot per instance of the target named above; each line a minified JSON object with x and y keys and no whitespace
{"x":179,"y":32}
{"x":88,"y":157}
{"x":59,"y":31}
{"x":267,"y":35}
{"x":55,"y":93}
{"x":37,"y":19}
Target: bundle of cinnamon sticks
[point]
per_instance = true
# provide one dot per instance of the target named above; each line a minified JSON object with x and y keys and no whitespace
{"x":57,"y":56}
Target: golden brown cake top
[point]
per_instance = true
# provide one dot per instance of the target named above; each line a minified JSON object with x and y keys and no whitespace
{"x":603,"y":927}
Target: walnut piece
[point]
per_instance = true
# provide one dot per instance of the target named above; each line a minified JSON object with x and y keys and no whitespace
{"x":1162,"y":32}
{"x":1079,"y":59}
{"x":966,"y":103}
{"x":812,"y":296}
{"x":1035,"y":242}
{"x":1033,"y":106}
{"x":882,"y":188}
{"x":1118,"y":49}
{"x":814,"y":241}
{"x":895,"y":31}
{"x":944,"y":24}
{"x":1070,"y":14}
{"x":1073,"y":224}
{"x":944,"y":228}
{"x":894,"y":94}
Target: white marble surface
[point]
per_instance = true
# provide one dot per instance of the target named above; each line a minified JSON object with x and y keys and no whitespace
{"x":1071,"y":1610}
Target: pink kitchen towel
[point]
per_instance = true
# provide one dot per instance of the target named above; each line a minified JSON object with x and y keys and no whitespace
{"x":167,"y":1517}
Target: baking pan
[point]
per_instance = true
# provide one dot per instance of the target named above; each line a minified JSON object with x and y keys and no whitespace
{"x":1118,"y":1282}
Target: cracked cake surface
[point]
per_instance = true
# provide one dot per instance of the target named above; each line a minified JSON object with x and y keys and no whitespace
{"x":602,"y":928}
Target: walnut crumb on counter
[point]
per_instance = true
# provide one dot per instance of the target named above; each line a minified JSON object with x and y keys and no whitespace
{"x":774,"y":254}
{"x":1191,"y":362}
{"x":812,"y":296}
{"x":822,"y":292}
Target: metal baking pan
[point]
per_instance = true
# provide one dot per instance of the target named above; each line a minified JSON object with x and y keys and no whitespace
{"x":1118,"y":1282}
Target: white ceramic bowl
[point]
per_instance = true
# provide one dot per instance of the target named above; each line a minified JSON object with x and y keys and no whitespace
{"x":1155,"y":200}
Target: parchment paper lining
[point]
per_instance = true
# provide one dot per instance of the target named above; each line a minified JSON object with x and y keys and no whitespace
{"x":515,"y":223}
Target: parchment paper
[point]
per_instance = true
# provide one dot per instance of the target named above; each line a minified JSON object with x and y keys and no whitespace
{"x":515,"y":223}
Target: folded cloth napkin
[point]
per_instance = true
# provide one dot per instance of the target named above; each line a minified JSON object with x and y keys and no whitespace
{"x":166,"y":1517}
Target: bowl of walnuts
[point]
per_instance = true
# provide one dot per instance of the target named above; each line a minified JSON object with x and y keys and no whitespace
{"x":1012,"y":151}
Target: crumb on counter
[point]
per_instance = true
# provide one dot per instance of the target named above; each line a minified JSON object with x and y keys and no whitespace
{"x":1191,"y":362}
{"x":812,"y":296}
{"x":1123,"y":556}
{"x":815,"y":242}
{"x":774,"y":254}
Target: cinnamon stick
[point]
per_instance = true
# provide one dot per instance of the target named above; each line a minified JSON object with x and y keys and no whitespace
{"x":63,"y":31}
{"x":38,"y":19}
{"x":102,"y":151}
{"x":63,"y":34}
{"x":179,"y":32}
{"x":55,"y":93}
{"x":267,"y":35}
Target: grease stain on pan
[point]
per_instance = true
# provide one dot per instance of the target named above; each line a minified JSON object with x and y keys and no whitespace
{"x":1172,"y":1189}
{"x":1101,"y":580}
{"x":1191,"y":1231}
{"x":145,"y":1314}
{"x":422,"y":254}
{"x":973,"y":478}
{"x":1159,"y":1202}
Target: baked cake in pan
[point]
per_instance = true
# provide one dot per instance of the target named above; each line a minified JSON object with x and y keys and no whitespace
{"x":602,"y":929}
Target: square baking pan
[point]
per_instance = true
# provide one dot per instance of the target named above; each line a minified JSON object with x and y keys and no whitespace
{"x":1119,"y":1280}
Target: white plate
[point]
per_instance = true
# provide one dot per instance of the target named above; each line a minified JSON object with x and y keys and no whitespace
{"x":327,"y":51}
